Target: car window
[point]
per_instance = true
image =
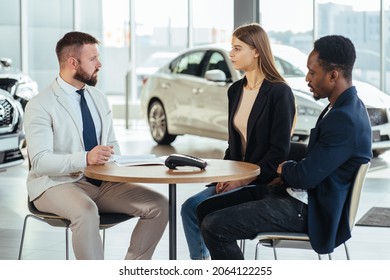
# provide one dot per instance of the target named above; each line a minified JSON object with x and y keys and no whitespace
{"x":286,"y":69}
{"x":217,"y":61}
{"x":188,"y":64}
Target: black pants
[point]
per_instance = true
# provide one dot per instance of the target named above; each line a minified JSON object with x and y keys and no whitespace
{"x":246,"y":212}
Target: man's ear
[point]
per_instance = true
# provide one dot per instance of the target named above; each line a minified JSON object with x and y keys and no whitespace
{"x":334,"y":75}
{"x":72,"y":62}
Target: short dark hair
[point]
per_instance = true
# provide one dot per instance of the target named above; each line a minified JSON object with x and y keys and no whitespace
{"x":70,"y":44}
{"x":336,"y":51}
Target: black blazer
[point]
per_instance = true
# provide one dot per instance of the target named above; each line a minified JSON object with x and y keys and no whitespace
{"x":269,"y":127}
{"x":338,"y":145}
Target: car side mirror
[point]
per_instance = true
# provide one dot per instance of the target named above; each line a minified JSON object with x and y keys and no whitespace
{"x":215,"y":75}
{"x":6,"y":62}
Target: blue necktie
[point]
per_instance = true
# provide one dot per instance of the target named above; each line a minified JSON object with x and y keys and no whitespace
{"x":89,"y":131}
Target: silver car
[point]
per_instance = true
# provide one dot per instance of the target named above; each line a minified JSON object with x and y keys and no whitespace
{"x":189,"y":96}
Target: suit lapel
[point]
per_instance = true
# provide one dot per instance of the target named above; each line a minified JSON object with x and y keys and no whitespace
{"x":258,"y":107}
{"x":235,"y":101}
{"x":347,"y":94}
{"x":322,"y":114}
{"x":64,"y":102}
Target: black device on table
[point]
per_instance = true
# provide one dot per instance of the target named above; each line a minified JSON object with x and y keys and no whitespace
{"x":175,"y":160}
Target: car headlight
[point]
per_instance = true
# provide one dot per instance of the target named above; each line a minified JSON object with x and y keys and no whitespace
{"x":307,"y":111}
{"x":26,"y":91}
{"x":378,"y":116}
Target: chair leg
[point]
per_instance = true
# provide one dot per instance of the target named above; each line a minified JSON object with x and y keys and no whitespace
{"x":242,"y":246}
{"x":257,"y":250}
{"x":346,"y":250}
{"x":24,"y":234}
{"x":330,"y":256}
{"x":104,"y":240}
{"x":67,"y":243}
{"x":22,"y":238}
{"x":275,"y":256}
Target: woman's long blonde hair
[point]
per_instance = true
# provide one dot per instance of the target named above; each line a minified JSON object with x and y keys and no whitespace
{"x":254,"y":35}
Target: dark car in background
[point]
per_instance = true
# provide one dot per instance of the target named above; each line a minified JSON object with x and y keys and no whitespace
{"x":11,"y":131}
{"x":16,"y":89}
{"x":19,"y":85}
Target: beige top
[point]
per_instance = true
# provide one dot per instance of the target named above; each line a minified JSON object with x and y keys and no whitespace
{"x":240,"y":120}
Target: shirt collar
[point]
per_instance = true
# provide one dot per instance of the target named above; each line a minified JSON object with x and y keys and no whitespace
{"x":66,"y":87}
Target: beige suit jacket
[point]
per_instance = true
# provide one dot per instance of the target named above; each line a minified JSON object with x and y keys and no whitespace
{"x":55,"y":138}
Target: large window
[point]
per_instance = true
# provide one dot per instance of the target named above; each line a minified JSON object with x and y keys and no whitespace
{"x":287,"y":27}
{"x":359,"y":21}
{"x":44,"y":30}
{"x":212,"y":21}
{"x":10,"y":31}
{"x":386,"y":45}
{"x":114,"y":47}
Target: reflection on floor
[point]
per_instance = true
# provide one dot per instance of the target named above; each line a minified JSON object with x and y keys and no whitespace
{"x":45,"y":242}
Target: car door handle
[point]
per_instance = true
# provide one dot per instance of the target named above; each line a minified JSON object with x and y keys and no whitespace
{"x":165,"y":85}
{"x":197,"y":90}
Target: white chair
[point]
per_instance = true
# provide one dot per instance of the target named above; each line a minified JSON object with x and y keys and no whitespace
{"x":301,"y":240}
{"x":107,"y":220}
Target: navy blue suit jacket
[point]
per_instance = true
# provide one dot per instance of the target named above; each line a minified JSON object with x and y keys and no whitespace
{"x":338,"y":145}
{"x":269,"y":127}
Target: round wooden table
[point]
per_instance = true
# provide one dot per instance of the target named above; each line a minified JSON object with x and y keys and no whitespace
{"x":217,"y":170}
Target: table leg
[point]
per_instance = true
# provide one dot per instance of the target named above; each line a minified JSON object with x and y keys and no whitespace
{"x":172,"y":222}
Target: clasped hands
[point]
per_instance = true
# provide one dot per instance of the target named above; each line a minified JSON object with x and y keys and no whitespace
{"x":99,"y":155}
{"x":278,"y":180}
{"x":231,"y":185}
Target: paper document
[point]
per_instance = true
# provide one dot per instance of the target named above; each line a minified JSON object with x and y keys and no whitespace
{"x":125,"y":160}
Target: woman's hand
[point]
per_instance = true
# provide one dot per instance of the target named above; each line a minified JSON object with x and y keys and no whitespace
{"x":231,"y":185}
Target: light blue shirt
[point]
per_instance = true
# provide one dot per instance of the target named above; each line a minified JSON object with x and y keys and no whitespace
{"x":74,"y":99}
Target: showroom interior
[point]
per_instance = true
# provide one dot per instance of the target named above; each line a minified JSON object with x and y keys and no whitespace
{"x":137,"y":37}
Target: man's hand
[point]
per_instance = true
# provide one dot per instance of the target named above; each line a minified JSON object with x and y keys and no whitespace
{"x":278,"y":181}
{"x":100,"y":155}
{"x":279,"y":169}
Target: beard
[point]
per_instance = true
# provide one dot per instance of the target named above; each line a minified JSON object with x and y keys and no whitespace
{"x":85,"y":78}
{"x":316,"y":98}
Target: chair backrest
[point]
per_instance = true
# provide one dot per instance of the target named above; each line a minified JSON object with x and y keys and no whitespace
{"x":297,"y":151}
{"x":356,"y":192}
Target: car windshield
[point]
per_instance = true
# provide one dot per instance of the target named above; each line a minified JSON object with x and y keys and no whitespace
{"x":158,"y":59}
{"x":290,"y":62}
{"x":287,"y":69}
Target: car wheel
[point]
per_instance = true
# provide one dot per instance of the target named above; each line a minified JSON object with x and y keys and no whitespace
{"x":377,"y":153}
{"x":158,"y":124}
